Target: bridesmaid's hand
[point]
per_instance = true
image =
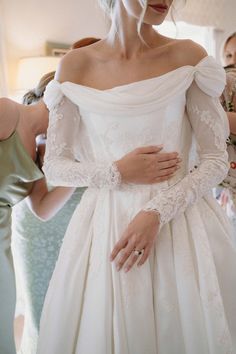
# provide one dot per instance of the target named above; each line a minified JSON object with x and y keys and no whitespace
{"x":148,"y":165}
{"x":137,"y":241}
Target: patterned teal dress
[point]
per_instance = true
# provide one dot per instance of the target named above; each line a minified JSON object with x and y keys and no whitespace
{"x":36,"y":245}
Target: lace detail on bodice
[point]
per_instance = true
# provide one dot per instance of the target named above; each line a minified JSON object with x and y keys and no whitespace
{"x":61,"y":165}
{"x":209,"y":124}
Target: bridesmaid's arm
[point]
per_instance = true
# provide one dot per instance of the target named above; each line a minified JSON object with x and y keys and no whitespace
{"x":45,"y":204}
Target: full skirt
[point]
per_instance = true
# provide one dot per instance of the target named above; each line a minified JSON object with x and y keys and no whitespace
{"x":181,"y":301}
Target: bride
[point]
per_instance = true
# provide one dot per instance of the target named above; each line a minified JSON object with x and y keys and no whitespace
{"x":143,"y":269}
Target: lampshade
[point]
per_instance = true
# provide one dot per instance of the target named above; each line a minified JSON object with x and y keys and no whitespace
{"x":31,"y":69}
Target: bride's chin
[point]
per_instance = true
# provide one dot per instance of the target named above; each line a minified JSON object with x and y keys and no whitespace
{"x":154,"y":19}
{"x":154,"y":22}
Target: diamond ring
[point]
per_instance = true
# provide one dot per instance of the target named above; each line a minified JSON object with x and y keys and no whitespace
{"x":138,"y":252}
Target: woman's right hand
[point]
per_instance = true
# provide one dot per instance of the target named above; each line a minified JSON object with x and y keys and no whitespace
{"x":148,"y":165}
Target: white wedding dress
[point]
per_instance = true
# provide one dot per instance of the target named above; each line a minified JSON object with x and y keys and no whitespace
{"x":183,"y":299}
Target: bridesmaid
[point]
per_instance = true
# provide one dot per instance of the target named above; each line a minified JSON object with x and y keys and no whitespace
{"x":20,"y":177}
{"x":228,"y":195}
{"x":229,"y":56}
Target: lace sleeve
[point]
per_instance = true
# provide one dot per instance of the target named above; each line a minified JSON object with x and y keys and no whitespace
{"x":60,"y":165}
{"x":210,"y":127}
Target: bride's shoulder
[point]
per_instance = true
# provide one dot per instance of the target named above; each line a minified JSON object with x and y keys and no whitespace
{"x":73,"y":65}
{"x":187,"y":52}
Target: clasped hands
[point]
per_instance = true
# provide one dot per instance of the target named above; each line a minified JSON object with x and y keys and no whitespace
{"x":145,"y":165}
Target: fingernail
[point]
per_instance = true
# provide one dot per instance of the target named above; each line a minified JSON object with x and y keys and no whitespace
{"x":126,"y":270}
{"x":118,"y":267}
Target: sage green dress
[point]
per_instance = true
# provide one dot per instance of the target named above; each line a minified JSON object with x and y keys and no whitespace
{"x":17,"y":174}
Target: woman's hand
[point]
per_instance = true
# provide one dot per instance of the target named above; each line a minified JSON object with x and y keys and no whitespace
{"x":147,"y":165}
{"x":137,"y":241}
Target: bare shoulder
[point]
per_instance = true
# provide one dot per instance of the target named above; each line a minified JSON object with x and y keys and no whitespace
{"x":9,"y":116}
{"x":187,"y":52}
{"x":73,"y":65}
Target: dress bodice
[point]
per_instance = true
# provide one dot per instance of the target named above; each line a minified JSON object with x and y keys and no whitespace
{"x":148,"y":112}
{"x":89,"y":129}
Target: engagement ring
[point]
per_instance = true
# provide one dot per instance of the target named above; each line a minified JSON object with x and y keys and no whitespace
{"x":138,"y":252}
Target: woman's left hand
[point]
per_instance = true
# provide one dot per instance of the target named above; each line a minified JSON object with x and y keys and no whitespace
{"x":137,"y":240}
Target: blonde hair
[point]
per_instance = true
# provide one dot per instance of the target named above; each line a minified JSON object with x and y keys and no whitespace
{"x":37,"y":93}
{"x":233,"y":35}
{"x":108,"y":6}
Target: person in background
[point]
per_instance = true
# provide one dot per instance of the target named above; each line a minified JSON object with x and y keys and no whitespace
{"x":228,"y":194}
{"x":36,"y":244}
{"x":229,"y":56}
{"x":229,"y":50}
{"x":21,"y":177}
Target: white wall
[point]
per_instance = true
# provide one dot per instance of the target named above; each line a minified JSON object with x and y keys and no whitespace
{"x":30,"y":23}
{"x":3,"y":61}
{"x":219,"y":14}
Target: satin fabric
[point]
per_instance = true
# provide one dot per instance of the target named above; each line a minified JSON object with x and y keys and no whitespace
{"x":17,"y":173}
{"x":182,"y":301}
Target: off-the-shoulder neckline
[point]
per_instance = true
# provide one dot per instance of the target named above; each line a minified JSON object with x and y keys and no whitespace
{"x":88,"y":88}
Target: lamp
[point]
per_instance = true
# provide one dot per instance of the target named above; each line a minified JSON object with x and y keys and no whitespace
{"x":31,"y":69}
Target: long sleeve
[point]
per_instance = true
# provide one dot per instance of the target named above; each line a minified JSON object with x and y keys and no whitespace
{"x":60,"y":164}
{"x":210,"y":128}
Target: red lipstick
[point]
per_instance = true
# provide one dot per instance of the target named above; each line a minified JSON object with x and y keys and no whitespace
{"x":159,"y":8}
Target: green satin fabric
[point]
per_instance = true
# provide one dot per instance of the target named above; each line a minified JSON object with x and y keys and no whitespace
{"x":17,"y":174}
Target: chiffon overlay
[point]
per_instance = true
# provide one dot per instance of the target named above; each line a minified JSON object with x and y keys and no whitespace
{"x":182,"y":300}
